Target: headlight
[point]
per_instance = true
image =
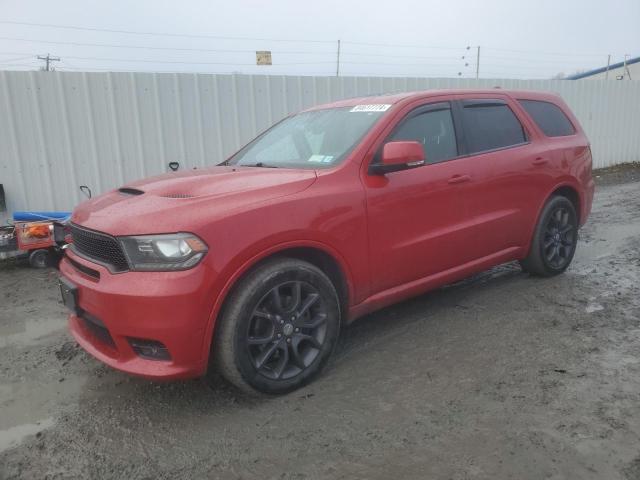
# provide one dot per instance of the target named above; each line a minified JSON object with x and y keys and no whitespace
{"x":174,"y":251}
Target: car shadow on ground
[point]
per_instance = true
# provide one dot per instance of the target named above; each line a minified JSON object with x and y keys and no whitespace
{"x":423,"y":308}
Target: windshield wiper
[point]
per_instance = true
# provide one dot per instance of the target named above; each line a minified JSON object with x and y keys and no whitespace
{"x":261,"y":164}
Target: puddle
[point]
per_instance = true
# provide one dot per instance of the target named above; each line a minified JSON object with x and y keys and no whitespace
{"x":13,"y":436}
{"x":28,"y":332}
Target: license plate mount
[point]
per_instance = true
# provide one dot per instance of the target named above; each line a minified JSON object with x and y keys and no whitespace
{"x":69,"y":293}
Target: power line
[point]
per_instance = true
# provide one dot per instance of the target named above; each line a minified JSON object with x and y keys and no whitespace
{"x":129,"y":60}
{"x":395,"y":45}
{"x":508,"y":64}
{"x":403,"y":64}
{"x":392,"y":55}
{"x":16,"y":59}
{"x":144,"y":47}
{"x":161,"y":34}
{"x":549,"y":53}
{"x":299,"y":52}
{"x":568,"y":54}
{"x":17,"y":65}
{"x":277,"y":52}
{"x":537,"y":60}
{"x":136,"y":60}
{"x":491,"y":66}
{"x":221,"y":37}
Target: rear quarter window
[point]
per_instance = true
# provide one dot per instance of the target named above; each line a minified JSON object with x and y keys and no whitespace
{"x":490,"y":126}
{"x":549,"y":117}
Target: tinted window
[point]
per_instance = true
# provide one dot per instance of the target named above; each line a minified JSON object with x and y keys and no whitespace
{"x":434,"y":130}
{"x":549,"y":117}
{"x":491,"y":125}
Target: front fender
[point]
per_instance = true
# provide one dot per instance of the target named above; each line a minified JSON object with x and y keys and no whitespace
{"x":248,"y":259}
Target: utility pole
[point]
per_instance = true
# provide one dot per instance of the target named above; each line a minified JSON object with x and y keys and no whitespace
{"x":606,"y":75}
{"x":338,"y":61}
{"x":626,"y":67}
{"x":478,"y":63}
{"x":48,"y":59}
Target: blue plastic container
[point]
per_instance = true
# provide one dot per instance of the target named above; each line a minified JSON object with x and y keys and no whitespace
{"x":38,"y":216}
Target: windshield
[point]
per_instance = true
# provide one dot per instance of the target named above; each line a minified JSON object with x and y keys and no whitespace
{"x":316,"y":139}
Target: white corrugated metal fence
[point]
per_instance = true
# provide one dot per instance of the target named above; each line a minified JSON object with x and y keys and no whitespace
{"x":61,"y":130}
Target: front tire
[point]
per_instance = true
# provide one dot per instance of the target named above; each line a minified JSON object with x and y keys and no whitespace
{"x":278,"y":327}
{"x":554,"y":240}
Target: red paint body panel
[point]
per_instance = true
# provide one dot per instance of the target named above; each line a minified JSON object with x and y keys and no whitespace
{"x":392,"y":236}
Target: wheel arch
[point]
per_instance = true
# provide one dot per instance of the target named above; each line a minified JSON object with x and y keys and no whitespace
{"x":572,"y":194}
{"x":318,"y":254}
{"x":566,"y":189}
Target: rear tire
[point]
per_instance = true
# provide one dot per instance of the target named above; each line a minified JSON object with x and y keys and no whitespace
{"x":278,"y":328}
{"x":554,"y":240}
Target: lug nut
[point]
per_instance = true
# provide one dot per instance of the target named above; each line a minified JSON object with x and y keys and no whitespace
{"x":297,"y":329}
{"x":279,"y":335}
{"x":288,"y":340}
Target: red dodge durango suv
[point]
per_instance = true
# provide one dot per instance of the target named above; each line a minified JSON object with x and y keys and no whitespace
{"x":252,"y":266}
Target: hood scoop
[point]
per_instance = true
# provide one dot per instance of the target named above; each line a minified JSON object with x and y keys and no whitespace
{"x":130,"y":191}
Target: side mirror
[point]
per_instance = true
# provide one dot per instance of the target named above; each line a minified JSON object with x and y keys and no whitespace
{"x":400,"y":155}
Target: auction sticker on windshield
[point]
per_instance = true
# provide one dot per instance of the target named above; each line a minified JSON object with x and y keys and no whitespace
{"x":380,"y":107}
{"x":320,"y":158}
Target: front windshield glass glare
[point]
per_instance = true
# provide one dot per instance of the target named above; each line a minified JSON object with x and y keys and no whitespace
{"x":316,"y":139}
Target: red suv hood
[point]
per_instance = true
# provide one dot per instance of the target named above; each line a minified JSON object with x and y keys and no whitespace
{"x":176,"y":201}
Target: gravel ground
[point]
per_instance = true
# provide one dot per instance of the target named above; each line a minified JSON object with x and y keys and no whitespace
{"x":623,"y":173}
{"x":500,"y":376}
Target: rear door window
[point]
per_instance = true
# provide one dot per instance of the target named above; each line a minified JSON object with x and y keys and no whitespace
{"x":489,"y":125}
{"x":549,"y":117}
{"x":433,"y":128}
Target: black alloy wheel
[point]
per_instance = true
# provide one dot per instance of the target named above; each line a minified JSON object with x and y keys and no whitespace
{"x":287,"y":330}
{"x":559,"y":238}
{"x":555,"y":239}
{"x":278,"y":328}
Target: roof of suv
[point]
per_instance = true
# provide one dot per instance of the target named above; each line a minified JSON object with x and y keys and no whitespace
{"x":394,"y":98}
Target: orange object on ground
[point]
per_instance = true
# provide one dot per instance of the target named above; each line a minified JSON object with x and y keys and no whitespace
{"x":34,"y":235}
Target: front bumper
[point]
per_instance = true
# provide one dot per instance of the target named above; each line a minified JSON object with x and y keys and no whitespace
{"x":168,"y":307}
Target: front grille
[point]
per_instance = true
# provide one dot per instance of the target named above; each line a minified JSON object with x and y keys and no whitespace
{"x":99,"y":247}
{"x":97,"y":328}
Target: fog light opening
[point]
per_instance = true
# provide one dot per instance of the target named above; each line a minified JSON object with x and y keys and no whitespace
{"x":149,"y":349}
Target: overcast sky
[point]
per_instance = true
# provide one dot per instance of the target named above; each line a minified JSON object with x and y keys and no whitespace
{"x":518,"y":39}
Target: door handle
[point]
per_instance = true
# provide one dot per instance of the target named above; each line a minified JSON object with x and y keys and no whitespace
{"x":540,"y":161}
{"x":459,"y":179}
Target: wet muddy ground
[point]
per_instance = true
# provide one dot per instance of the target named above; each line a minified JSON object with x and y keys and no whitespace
{"x":500,"y":376}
